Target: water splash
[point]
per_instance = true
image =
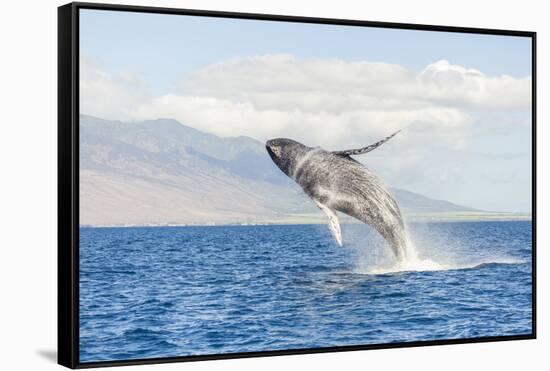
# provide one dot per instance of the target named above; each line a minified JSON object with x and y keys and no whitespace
{"x":376,"y":261}
{"x":408,"y":263}
{"x":428,"y":265}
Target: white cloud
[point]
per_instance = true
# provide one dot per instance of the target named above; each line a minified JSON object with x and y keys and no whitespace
{"x":326,"y":102}
{"x":331,"y":130}
{"x":286,"y":82}
{"x":334,"y":104}
{"x":109,"y":96}
{"x":444,"y":82}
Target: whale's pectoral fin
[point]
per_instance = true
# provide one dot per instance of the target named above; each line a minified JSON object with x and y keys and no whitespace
{"x":361,"y":151}
{"x":333,"y":222}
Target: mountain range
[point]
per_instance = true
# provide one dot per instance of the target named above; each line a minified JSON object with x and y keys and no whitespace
{"x":161,"y":172}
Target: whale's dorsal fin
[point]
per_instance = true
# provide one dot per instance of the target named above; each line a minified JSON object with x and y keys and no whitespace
{"x":361,"y":151}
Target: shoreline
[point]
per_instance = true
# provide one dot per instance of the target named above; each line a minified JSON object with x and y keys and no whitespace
{"x":427,"y":218}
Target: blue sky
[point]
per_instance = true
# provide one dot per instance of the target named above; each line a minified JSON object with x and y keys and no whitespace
{"x":464,"y":99}
{"x":163,"y":48}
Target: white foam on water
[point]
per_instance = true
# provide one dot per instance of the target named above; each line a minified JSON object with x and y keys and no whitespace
{"x":410,"y":263}
{"x":413,"y":263}
{"x":427,"y":265}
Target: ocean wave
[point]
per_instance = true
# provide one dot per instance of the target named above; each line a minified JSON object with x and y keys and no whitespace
{"x":428,"y":265}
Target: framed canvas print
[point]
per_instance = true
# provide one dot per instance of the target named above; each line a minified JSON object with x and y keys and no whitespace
{"x":236,"y":185}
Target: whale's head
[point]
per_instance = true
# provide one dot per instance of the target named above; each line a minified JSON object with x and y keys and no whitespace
{"x":285,"y":153}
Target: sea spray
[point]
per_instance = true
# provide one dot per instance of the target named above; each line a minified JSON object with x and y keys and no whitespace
{"x":426,"y":249}
{"x":411,"y":262}
{"x":372,"y":255}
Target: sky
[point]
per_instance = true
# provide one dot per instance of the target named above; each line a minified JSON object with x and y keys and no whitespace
{"x":463,"y":101}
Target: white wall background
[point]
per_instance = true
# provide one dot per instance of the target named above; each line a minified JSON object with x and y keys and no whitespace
{"x":28,"y":171}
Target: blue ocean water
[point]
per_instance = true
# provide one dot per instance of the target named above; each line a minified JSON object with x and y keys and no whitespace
{"x":176,"y":291}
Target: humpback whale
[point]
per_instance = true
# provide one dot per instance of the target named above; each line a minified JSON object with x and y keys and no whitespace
{"x":338,"y":183}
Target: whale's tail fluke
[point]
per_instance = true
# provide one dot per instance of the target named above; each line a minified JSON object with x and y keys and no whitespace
{"x":362,"y":151}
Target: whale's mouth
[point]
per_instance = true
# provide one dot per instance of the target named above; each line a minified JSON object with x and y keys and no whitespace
{"x":270,"y":152}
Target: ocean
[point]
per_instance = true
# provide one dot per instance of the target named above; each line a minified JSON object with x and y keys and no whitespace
{"x":150,"y":292}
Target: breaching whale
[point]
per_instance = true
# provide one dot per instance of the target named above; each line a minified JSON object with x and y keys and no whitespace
{"x":337,"y":182}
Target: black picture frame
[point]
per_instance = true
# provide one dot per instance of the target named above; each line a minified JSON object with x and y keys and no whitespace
{"x":68,"y":180}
